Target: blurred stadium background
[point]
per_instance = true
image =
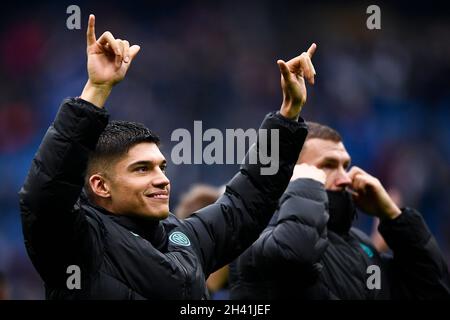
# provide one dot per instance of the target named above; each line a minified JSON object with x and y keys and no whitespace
{"x":387,"y":91}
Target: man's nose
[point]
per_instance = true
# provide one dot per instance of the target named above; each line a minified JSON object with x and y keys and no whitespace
{"x":161,"y":180}
{"x":343,"y":180}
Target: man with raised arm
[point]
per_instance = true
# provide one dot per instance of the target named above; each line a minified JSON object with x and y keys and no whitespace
{"x":117,"y":239}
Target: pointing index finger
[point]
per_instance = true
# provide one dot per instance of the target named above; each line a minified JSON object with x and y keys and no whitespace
{"x":311,"y":50}
{"x":91,"y":30}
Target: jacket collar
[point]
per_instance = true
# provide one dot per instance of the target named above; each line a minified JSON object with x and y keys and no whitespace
{"x":151,"y":230}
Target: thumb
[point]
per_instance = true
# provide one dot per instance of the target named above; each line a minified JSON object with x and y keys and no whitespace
{"x":284,"y":69}
{"x":133,"y":51}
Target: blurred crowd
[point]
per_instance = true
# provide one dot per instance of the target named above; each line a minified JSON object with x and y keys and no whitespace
{"x":387,"y":91}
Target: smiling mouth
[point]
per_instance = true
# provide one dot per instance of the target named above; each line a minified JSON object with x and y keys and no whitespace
{"x":161,"y":195}
{"x":158,"y":196}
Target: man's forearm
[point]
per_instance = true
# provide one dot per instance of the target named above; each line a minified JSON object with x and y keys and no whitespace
{"x":58,"y":169}
{"x":96,"y":94}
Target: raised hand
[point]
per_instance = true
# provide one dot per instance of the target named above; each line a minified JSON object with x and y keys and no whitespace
{"x":293,"y":74}
{"x":108,"y":58}
{"x":108,"y":62}
{"x":370,"y":196}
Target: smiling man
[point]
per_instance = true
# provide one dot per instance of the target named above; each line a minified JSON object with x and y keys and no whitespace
{"x":119,"y":235}
{"x":126,"y":172}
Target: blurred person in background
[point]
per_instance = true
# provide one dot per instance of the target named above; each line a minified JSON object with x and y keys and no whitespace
{"x":117,"y":240}
{"x":200,"y":196}
{"x":310,"y":250}
{"x":4,"y":288}
{"x":197,"y":197}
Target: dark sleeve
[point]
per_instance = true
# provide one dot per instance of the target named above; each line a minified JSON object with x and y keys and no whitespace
{"x":418,"y":268}
{"x":54,"y":231}
{"x":225,"y":229}
{"x":299,"y":236}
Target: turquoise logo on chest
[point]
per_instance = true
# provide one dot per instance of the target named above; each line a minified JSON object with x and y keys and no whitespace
{"x":179,"y":238}
{"x":366,"y":249}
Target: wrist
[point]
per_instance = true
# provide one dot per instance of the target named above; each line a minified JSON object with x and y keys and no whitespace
{"x":391,"y":213}
{"x":291,"y":110}
{"x":97,"y":94}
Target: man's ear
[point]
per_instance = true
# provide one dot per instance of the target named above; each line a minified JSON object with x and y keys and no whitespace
{"x":99,"y":185}
{"x":301,"y":156}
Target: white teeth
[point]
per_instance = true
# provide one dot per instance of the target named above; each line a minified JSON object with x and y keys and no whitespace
{"x":159,"y":196}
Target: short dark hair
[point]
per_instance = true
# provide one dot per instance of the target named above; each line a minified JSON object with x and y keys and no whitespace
{"x":321,"y":131}
{"x":116,"y":140}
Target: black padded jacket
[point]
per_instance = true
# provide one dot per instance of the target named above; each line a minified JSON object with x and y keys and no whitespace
{"x":124,"y":258}
{"x":296,"y":257}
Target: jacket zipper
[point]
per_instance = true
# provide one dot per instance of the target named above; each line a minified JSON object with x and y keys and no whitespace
{"x":185,"y":274}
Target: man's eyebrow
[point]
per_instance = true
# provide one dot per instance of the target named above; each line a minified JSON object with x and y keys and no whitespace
{"x":146,"y":163}
{"x":335,"y":161}
{"x":329,"y":160}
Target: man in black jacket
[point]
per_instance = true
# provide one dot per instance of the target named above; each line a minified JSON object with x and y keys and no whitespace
{"x":310,"y":251}
{"x":118,"y":240}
